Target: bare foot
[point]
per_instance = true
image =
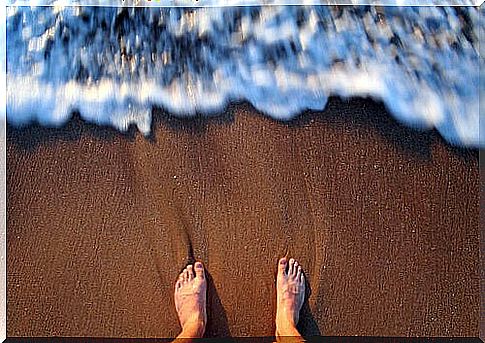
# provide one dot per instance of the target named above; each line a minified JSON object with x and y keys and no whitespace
{"x":190,"y":301}
{"x":290,"y":294}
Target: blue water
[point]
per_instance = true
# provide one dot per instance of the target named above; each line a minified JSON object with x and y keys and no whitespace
{"x":114,"y":64}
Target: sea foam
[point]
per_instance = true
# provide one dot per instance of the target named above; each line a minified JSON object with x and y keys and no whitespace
{"x":115,"y":64}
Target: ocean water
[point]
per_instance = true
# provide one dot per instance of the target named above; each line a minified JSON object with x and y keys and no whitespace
{"x":113,"y":65}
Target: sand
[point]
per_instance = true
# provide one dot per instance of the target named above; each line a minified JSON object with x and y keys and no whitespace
{"x":383,"y":218}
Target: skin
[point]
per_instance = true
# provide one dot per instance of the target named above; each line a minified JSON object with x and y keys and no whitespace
{"x":190,"y":301}
{"x":191,"y":297}
{"x":290,"y":294}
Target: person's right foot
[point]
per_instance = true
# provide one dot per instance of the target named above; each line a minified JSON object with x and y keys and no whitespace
{"x":290,"y":294}
{"x":190,"y":301}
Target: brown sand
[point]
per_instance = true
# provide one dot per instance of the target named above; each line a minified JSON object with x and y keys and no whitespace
{"x":384,"y":219}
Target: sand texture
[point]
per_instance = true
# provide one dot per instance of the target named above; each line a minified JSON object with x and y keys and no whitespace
{"x":383,"y":218}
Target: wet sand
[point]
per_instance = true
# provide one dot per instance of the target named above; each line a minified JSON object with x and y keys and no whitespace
{"x":383,"y":218}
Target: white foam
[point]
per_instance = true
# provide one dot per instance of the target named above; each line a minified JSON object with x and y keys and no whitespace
{"x":199,"y":60}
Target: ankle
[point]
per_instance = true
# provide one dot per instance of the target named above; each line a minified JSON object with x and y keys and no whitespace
{"x":193,"y":329}
{"x":286,"y":328}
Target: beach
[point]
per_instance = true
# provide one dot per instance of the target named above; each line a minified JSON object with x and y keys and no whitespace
{"x":383,"y":218}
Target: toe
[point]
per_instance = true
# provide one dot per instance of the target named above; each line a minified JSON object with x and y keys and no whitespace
{"x":185,"y":275}
{"x":182,"y":277}
{"x":298,"y":273}
{"x":178,"y":285}
{"x":290,"y":269}
{"x":302,"y":278}
{"x":282,"y":263}
{"x":295,"y":269}
{"x":199,"y":270}
{"x":190,"y":268}
{"x":188,"y":273}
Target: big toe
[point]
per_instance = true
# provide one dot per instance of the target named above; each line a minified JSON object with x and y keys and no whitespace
{"x":199,"y":270}
{"x":282,"y":263}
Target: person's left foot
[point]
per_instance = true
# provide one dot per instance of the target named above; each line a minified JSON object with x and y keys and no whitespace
{"x":190,"y":301}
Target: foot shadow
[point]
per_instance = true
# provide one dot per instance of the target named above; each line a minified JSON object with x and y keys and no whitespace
{"x":217,"y":325}
{"x":307,"y":326}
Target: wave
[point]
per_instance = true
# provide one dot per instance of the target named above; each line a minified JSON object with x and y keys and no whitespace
{"x":114,"y":64}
